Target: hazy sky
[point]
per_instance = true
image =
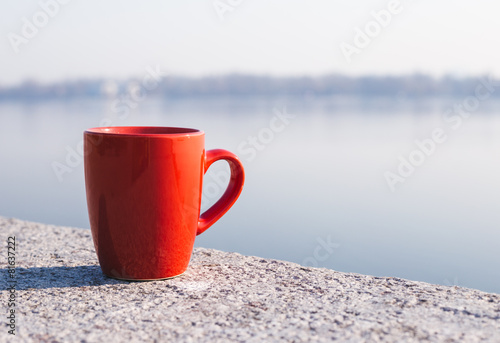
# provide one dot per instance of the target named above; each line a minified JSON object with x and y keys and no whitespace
{"x":47,"y":40}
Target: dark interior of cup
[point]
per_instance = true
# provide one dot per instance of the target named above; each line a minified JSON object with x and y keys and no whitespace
{"x":142,"y":130}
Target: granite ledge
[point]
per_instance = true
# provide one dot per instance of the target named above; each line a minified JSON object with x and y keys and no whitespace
{"x":62,"y":296}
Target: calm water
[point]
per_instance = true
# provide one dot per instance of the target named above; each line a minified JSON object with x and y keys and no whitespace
{"x":315,"y":194}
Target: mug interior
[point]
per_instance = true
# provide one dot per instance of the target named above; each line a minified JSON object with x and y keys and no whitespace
{"x":143,"y":130}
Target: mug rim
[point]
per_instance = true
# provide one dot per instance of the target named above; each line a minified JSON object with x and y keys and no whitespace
{"x":144,"y":131}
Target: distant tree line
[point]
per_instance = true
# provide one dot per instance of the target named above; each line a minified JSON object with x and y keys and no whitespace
{"x":416,"y":85}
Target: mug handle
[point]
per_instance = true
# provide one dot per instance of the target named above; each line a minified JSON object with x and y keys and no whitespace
{"x":233,"y":190}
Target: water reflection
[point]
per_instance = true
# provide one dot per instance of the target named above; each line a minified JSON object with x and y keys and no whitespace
{"x":321,"y":179}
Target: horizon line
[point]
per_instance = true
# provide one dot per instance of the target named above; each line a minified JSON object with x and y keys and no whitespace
{"x":39,"y":82}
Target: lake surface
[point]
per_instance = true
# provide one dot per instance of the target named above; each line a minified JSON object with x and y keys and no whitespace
{"x":317,"y":170}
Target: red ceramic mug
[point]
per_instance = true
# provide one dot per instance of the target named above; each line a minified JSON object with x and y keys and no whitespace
{"x":144,"y":188}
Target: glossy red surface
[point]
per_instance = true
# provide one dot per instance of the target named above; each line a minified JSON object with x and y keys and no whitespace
{"x":144,"y":188}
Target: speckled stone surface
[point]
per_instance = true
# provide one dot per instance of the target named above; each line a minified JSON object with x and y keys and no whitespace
{"x":62,"y":296}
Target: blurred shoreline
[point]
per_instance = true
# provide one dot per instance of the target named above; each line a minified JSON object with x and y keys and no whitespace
{"x":416,"y":86}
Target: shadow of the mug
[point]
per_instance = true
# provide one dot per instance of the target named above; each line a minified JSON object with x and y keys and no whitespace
{"x":56,"y":277}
